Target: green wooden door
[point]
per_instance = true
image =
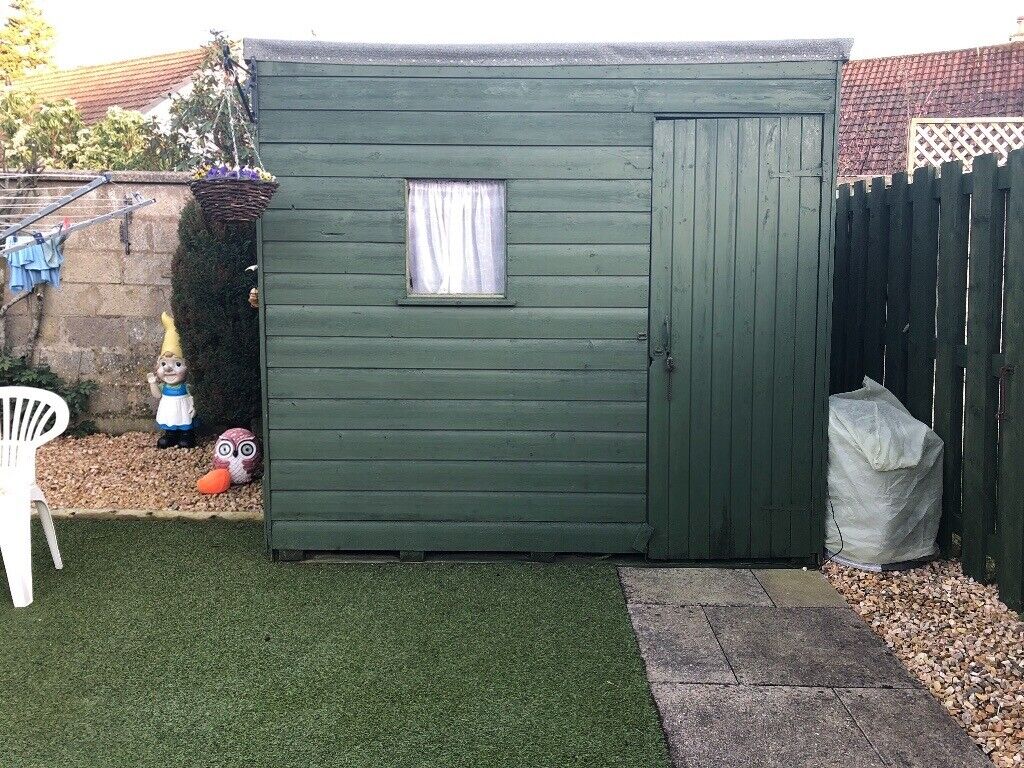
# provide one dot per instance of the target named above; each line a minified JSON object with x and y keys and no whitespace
{"x":736,"y":251}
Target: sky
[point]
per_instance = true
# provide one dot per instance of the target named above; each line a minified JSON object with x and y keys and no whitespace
{"x":95,"y":31}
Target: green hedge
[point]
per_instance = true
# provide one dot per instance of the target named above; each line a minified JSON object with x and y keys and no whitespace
{"x":219,"y":330}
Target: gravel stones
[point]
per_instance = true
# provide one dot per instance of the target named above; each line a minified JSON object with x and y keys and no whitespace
{"x":128,"y":472}
{"x":956,"y":636}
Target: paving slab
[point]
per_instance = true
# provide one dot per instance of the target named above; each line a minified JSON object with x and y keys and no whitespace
{"x":712,"y":726}
{"x":678,"y":645}
{"x":797,"y":588}
{"x":911,"y":729}
{"x":829,"y":647}
{"x":693,"y":586}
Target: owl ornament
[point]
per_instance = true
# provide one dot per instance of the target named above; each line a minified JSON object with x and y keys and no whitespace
{"x":236,"y":461}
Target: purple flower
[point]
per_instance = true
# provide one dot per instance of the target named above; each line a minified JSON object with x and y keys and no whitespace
{"x":246,"y":173}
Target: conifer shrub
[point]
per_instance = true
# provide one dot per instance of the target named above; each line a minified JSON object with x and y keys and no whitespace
{"x":219,"y":329}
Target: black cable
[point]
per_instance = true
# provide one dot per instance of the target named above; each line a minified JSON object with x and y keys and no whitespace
{"x":842,"y":543}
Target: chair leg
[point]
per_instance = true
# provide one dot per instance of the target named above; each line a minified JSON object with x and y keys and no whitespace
{"x":16,"y":543}
{"x":51,"y":534}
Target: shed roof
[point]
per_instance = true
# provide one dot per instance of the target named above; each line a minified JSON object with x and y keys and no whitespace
{"x":548,"y":54}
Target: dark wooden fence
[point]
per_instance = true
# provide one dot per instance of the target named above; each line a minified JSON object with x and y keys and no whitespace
{"x":929,"y":300}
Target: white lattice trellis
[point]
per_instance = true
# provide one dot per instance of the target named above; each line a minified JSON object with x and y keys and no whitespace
{"x":936,"y":140}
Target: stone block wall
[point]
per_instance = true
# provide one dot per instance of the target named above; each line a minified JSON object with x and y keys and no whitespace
{"x":103,"y":323}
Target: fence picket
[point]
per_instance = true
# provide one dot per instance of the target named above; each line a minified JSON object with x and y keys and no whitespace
{"x":924,"y":229}
{"x":950,"y":319}
{"x":930,"y":279}
{"x":874,"y":288}
{"x":897,"y":288}
{"x":1010,"y":557}
{"x":981,"y":393}
{"x":841,"y":297}
{"x":858,"y":267}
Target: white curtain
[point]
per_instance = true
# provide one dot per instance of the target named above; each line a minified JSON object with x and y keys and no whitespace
{"x":457,"y":237}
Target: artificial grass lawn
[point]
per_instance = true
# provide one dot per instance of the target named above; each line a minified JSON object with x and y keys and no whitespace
{"x":179,"y":644}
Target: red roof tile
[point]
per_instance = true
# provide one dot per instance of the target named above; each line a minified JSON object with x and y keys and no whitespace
{"x":131,"y":84}
{"x":879,"y":96}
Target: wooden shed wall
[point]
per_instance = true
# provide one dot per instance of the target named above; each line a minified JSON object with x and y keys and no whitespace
{"x":503,"y":428}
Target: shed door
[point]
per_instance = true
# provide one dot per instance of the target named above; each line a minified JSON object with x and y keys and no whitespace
{"x":736,"y":250}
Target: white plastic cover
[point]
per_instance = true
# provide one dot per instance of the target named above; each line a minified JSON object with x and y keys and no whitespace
{"x":884,"y":479}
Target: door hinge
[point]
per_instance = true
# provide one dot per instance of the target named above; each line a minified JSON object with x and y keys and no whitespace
{"x":803,"y":173}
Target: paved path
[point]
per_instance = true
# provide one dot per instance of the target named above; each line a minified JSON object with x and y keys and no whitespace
{"x":772,"y":668}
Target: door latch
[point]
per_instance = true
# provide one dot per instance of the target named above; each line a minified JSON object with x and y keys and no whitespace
{"x":670,"y":363}
{"x":666,"y":343}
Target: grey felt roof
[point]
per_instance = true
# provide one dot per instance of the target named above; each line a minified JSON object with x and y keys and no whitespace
{"x":547,"y":54}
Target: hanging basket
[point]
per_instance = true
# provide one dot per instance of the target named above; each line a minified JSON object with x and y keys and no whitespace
{"x":230,"y":201}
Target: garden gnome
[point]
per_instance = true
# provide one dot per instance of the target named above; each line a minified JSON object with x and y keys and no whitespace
{"x":176,"y":412}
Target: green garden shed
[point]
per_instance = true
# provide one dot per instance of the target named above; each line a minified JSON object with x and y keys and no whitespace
{"x":548,"y":298}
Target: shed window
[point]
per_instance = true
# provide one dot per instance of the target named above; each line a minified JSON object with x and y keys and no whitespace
{"x":456,"y":238}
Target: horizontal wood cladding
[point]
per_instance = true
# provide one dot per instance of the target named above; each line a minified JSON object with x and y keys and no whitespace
{"x":526,"y":290}
{"x":469,"y":354}
{"x":497,"y":415}
{"x":461,"y":162}
{"x":760,"y":70}
{"x":457,"y":322}
{"x":388,"y":194}
{"x":430,"y":534}
{"x":461,"y":506}
{"x":568,"y":259}
{"x":312,"y":126}
{"x":466,"y":427}
{"x":416,"y":475}
{"x":518,"y":94}
{"x":342,"y":383}
{"x":448,"y":445}
{"x":610,"y":227}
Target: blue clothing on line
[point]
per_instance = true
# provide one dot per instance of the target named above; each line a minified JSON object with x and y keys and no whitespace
{"x":39,"y":263}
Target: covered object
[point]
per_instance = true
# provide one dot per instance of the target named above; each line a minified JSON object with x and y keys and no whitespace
{"x":628,"y":352}
{"x":884,"y":480}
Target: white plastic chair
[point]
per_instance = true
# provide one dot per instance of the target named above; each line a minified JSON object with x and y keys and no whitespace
{"x":29,"y":418}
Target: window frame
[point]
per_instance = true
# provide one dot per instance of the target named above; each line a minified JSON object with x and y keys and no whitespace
{"x":454,"y":299}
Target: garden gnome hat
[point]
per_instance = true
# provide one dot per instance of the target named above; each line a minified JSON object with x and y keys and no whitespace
{"x":172,"y":341}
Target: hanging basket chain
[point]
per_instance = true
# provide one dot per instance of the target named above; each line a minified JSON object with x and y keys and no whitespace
{"x":228,"y":100}
{"x":252,"y":143}
{"x":215,"y":123}
{"x":231,"y":128}
{"x":240,"y":197}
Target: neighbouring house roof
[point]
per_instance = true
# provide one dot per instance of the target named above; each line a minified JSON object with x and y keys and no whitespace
{"x":547,"y":54}
{"x":880,"y":96}
{"x":136,"y":84}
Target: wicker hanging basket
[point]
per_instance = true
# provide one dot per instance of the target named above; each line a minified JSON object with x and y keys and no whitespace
{"x":230,"y":201}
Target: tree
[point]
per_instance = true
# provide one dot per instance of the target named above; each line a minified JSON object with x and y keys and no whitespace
{"x":51,"y":135}
{"x":37,"y":136}
{"x":26,"y":41}
{"x":125,"y":141}
{"x":209,"y":285}
{"x":200,"y":120}
{"x":219,"y":330}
